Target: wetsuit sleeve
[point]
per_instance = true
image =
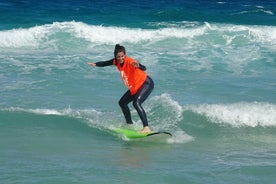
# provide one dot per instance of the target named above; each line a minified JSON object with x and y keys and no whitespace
{"x":142,"y":67}
{"x":105,"y":63}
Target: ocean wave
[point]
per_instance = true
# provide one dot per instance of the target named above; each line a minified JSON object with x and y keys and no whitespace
{"x":59,"y":112}
{"x":240,"y":114}
{"x":166,"y":114}
{"x":73,"y":33}
{"x":259,"y":9}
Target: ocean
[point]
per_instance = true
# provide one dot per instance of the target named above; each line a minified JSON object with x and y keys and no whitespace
{"x":214,"y":67}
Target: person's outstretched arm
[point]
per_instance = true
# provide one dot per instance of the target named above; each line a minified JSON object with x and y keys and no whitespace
{"x":101,"y":63}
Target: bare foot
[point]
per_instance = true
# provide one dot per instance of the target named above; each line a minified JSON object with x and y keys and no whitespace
{"x":144,"y":130}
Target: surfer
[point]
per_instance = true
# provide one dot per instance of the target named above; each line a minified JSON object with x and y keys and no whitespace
{"x":139,"y":84}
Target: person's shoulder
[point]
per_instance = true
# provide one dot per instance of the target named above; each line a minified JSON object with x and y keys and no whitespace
{"x":129,"y":59}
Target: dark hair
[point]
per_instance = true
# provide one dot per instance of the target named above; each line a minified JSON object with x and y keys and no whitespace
{"x":119,"y":48}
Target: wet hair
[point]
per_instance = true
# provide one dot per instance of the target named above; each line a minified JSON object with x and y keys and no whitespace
{"x":119,"y":48}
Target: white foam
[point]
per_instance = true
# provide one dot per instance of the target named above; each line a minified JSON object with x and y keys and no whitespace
{"x":180,"y":137}
{"x":113,"y":35}
{"x":238,"y":114}
{"x":19,"y":38}
{"x":265,"y":34}
{"x":167,"y":114}
{"x":45,"y":111}
{"x":260,"y":9}
{"x":165,"y":110}
{"x":48,"y":35}
{"x":37,"y":111}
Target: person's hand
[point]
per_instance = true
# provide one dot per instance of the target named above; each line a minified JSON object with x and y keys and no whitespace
{"x":91,"y":64}
{"x":135,"y":64}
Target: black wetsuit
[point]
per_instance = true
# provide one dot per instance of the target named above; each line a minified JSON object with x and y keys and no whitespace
{"x":137,"y":98}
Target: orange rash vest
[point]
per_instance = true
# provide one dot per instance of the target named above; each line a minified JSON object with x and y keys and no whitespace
{"x":133,"y":77}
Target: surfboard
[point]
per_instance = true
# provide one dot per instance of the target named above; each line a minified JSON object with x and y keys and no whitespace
{"x":133,"y":134}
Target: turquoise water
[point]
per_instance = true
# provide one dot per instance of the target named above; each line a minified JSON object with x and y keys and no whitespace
{"x":214,"y":69}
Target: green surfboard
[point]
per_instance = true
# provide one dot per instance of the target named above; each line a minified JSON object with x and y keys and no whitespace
{"x":133,"y":134}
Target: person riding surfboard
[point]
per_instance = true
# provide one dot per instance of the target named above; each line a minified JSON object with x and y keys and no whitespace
{"x":139,"y":84}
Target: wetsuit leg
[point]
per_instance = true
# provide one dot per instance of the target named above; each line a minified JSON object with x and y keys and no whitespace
{"x":123,"y":102}
{"x":140,"y":97}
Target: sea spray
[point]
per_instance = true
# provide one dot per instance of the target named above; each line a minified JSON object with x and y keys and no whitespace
{"x":54,"y":34}
{"x":238,"y":114}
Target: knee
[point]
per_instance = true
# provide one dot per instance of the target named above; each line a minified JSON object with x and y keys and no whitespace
{"x":122,"y":103}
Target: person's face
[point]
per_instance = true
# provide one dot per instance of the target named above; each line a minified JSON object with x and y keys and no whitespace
{"x":120,"y":57}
